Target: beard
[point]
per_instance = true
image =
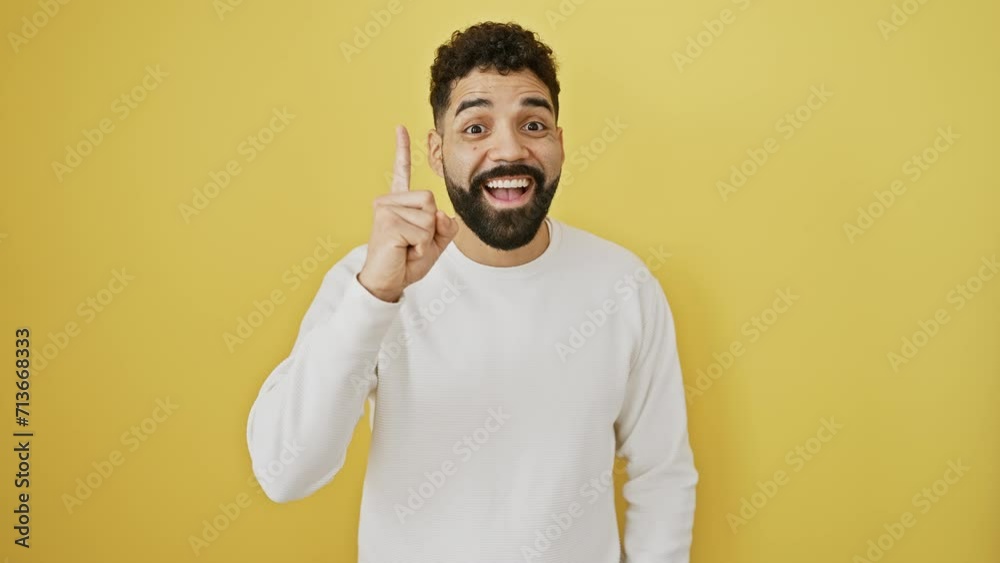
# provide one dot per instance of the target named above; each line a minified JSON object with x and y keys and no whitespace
{"x":503,"y":229}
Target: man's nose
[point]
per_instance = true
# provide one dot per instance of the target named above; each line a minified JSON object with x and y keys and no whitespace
{"x":508,"y":146}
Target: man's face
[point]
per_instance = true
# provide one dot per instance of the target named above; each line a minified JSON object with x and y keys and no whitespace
{"x":498,"y":128}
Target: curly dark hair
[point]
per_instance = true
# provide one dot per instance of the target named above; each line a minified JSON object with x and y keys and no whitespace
{"x":505,"y":47}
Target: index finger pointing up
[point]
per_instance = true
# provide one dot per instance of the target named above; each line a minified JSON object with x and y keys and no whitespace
{"x":401,"y":169}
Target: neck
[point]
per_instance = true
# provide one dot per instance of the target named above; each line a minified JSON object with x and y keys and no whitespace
{"x":475,"y":249}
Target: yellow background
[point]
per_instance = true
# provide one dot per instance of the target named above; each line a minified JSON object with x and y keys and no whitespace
{"x":653,"y":186}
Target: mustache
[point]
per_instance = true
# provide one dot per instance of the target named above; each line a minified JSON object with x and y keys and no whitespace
{"x":479,"y":181}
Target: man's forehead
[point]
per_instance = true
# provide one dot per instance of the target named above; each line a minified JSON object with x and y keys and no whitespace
{"x":490,"y":84}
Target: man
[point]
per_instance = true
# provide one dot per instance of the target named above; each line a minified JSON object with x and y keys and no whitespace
{"x":508,"y":356}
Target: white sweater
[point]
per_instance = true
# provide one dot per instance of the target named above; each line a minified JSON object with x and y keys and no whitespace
{"x":499,"y":398}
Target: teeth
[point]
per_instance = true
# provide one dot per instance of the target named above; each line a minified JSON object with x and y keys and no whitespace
{"x":519,"y":183}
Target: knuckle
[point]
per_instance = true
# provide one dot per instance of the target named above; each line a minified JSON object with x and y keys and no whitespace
{"x":421,"y":218}
{"x":385,"y":216}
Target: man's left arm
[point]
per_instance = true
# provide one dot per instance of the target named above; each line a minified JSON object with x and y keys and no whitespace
{"x":651,"y":432}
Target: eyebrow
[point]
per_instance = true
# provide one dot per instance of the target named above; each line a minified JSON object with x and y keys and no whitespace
{"x":530,"y":101}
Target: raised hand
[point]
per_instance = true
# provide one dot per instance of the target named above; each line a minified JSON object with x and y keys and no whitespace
{"x":408,"y":235}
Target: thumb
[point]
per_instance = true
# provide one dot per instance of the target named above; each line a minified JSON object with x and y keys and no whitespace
{"x":447,"y":228}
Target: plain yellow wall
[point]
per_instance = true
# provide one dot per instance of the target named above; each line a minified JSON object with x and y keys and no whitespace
{"x":875,"y":209}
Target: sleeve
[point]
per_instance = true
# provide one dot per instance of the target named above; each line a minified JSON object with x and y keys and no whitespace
{"x":651,"y":433}
{"x":306,"y":412}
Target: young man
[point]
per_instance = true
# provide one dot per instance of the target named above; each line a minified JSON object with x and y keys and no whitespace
{"x":508,"y":356}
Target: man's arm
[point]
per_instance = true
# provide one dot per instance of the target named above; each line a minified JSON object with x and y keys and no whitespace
{"x":651,"y":432}
{"x":305,"y":414}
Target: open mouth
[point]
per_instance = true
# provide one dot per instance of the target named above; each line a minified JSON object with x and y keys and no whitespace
{"x":509,"y":191}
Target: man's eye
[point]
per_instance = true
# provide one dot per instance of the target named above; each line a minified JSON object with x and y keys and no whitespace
{"x":541,"y":126}
{"x":467,"y":129}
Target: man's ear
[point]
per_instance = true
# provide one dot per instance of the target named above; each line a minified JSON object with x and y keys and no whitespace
{"x":434,"y":153}
{"x":562,"y":149}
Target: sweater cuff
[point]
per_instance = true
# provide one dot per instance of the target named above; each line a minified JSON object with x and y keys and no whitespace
{"x":364,"y":319}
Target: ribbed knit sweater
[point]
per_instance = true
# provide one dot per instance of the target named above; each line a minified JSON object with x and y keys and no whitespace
{"x":499,"y":397}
